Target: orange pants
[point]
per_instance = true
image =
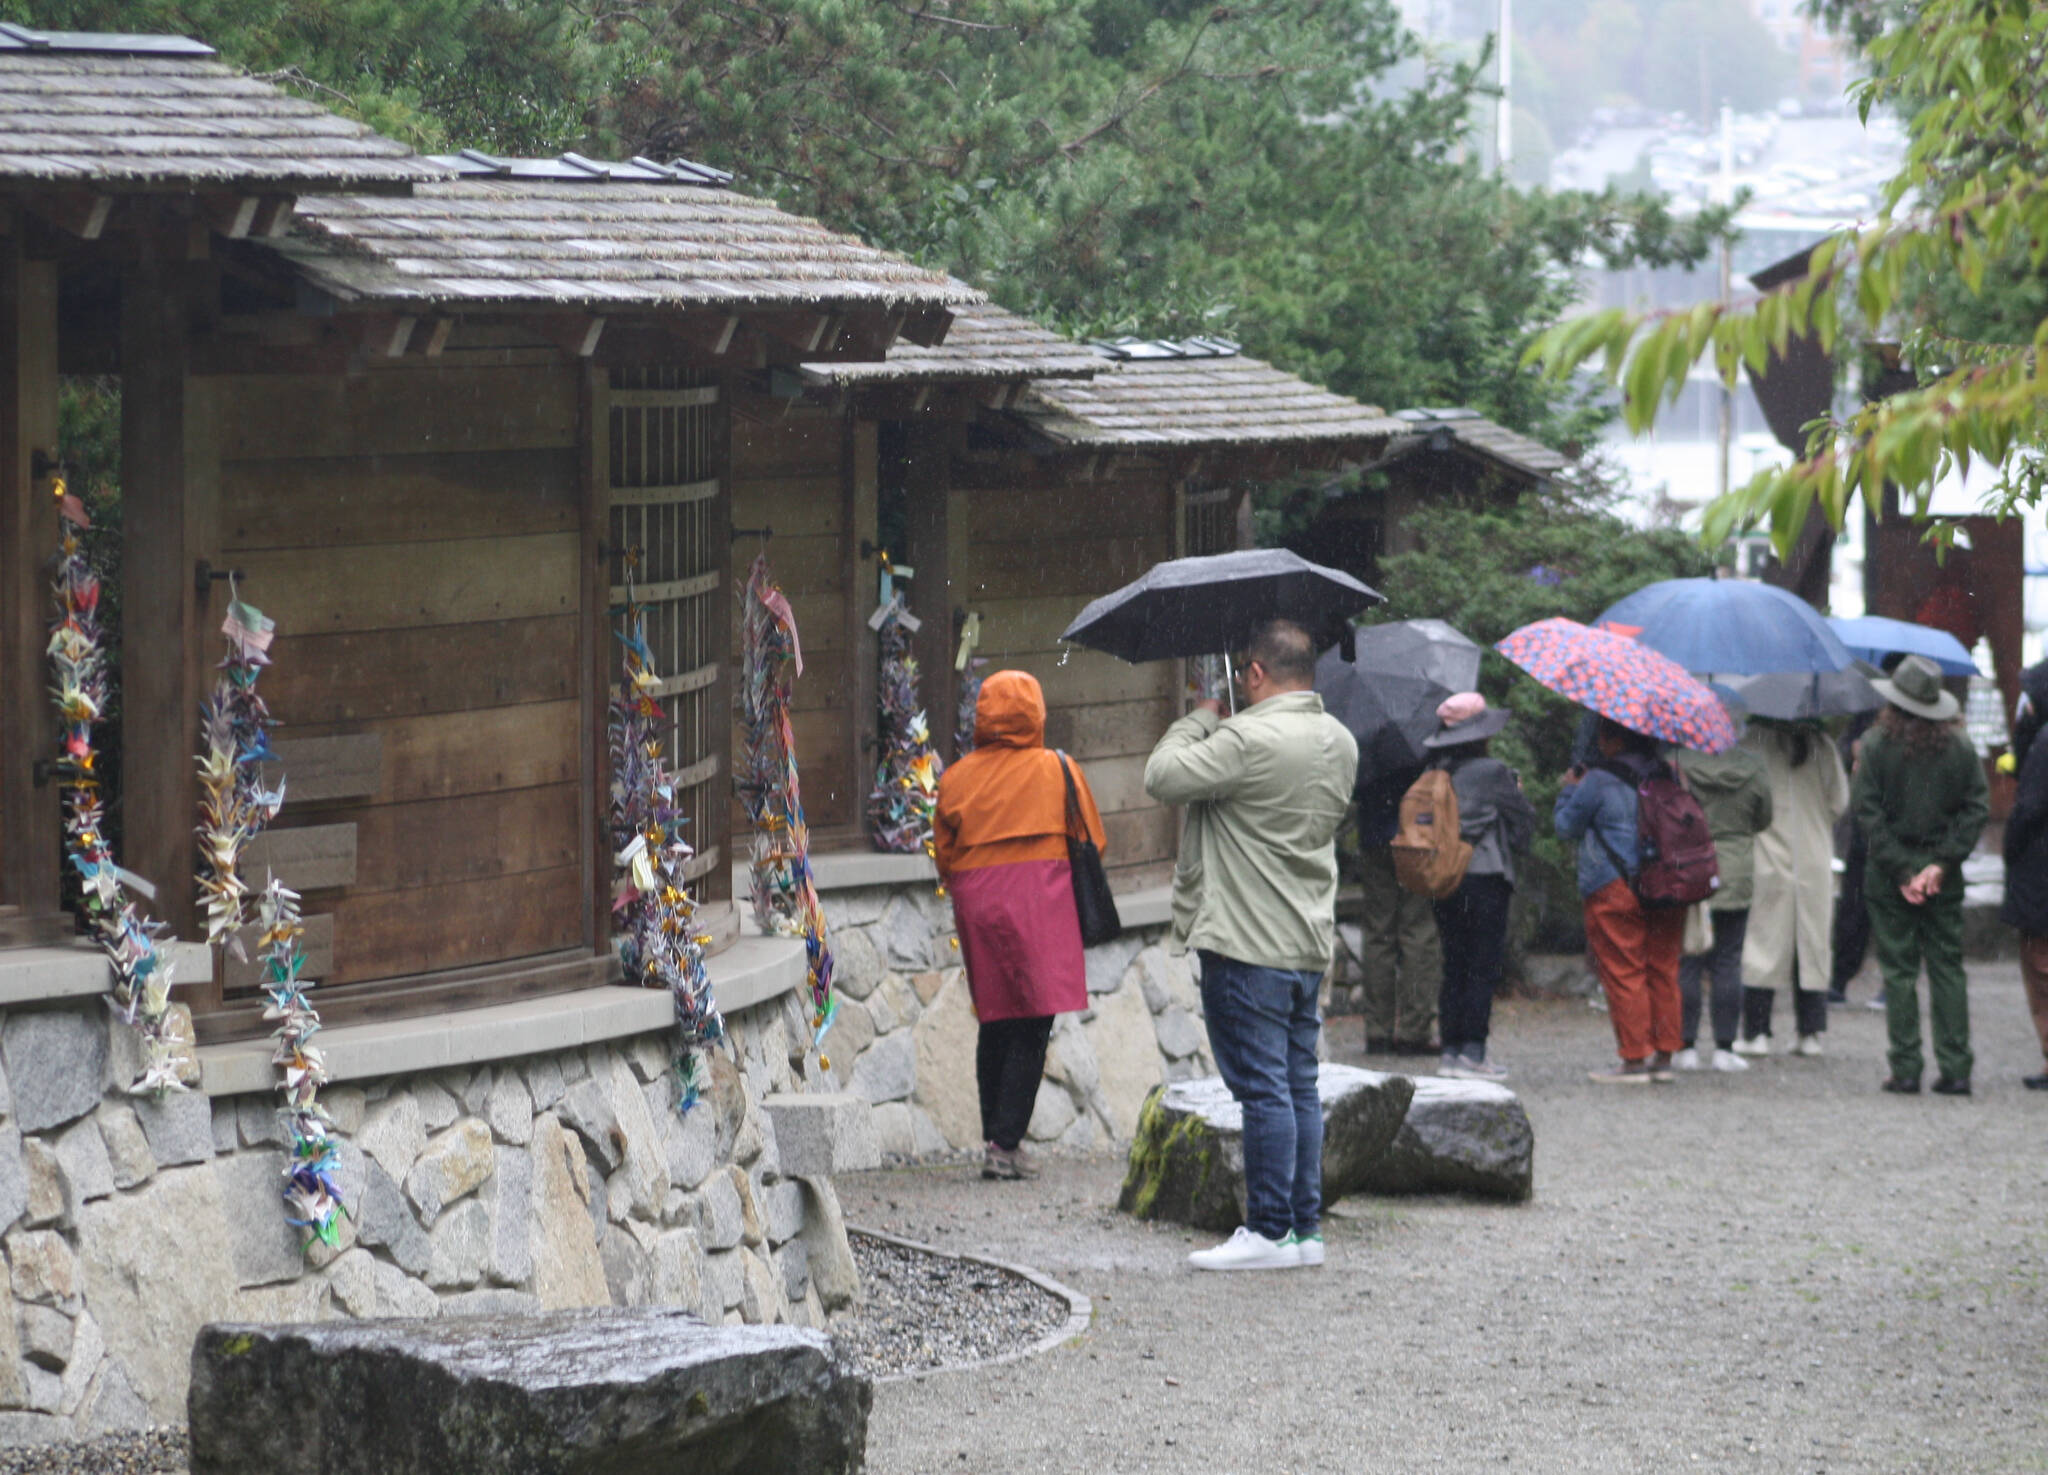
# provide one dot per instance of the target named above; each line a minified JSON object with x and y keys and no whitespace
{"x":1636,"y":952}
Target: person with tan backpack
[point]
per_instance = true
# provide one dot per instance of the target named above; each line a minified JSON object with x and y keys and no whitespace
{"x":1467,"y":821}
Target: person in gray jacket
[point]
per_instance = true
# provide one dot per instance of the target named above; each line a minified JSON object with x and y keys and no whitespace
{"x":1496,"y":819}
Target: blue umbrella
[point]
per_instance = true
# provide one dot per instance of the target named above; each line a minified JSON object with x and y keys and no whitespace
{"x":1873,"y":637}
{"x":1730,"y":627}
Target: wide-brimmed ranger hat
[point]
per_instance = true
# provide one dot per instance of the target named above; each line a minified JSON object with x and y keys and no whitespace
{"x":1465,"y":718}
{"x":1915,"y":686}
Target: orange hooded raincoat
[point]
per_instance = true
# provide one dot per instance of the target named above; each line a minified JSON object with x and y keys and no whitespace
{"x":1001,"y":833}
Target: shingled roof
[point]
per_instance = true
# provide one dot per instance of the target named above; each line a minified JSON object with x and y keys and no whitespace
{"x":1473,"y":432}
{"x":147,"y":113}
{"x":1198,"y":393}
{"x":600,"y":241}
{"x":986,"y":342}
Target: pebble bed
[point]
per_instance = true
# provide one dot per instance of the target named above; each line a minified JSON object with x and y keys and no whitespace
{"x":922,"y":1311}
{"x":919,"y":1312}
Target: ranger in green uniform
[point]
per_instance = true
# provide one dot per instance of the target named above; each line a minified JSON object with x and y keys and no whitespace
{"x":1921,"y":798}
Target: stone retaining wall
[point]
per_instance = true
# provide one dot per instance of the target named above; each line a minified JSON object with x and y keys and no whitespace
{"x":904,"y":1039}
{"x":557,"y":1180}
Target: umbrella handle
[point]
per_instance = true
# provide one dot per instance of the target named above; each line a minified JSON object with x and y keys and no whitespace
{"x":1229,"y":684}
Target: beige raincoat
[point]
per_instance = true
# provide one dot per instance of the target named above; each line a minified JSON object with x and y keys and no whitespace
{"x":1792,"y":910}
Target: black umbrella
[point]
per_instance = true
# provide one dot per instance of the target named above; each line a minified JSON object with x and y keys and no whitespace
{"x":1388,"y":692}
{"x":1211,"y":605}
{"x":1795,"y":696}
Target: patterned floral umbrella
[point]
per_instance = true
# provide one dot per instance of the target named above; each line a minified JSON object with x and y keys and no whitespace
{"x":1620,"y":679}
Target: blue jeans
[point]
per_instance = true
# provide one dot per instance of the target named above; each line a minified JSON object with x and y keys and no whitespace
{"x":1262,"y":1029}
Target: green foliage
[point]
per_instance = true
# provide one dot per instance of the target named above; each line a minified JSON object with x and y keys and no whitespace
{"x":1492,"y":569}
{"x":1961,"y":244}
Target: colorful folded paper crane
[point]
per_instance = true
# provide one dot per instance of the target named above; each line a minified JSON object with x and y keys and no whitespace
{"x":655,"y":918}
{"x":907,"y":779}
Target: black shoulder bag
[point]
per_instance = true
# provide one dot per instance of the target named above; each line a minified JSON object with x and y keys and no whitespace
{"x":1092,"y":901}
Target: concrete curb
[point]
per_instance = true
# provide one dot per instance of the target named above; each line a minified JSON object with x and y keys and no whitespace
{"x":1080,"y":1310}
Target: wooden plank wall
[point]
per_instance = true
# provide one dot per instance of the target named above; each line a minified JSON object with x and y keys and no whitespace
{"x":1042,"y":544}
{"x":415,"y":533}
{"x":790,"y":472}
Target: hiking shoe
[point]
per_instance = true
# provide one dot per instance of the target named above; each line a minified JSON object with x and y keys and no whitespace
{"x":1728,"y":1060}
{"x":1686,"y":1059}
{"x":1307,"y":1247}
{"x":1899,"y":1087}
{"x":2035,"y":1083}
{"x":1952,"y":1086}
{"x":1008,"y":1163}
{"x":1622,"y":1073}
{"x":1807,"y":1045}
{"x":1753,"y":1045}
{"x":1660,"y":1068}
{"x":1247,"y":1250}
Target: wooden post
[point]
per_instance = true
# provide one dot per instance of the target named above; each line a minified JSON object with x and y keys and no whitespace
{"x":170,"y":471}
{"x":597,"y":657}
{"x":862,"y":493}
{"x":719,"y":705}
{"x":31,"y":818}
{"x":936,"y":552}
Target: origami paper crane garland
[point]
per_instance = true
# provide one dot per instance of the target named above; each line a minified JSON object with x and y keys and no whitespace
{"x":784,"y":891}
{"x":129,"y":936}
{"x":659,"y":945}
{"x":963,"y":714}
{"x":233,"y":804}
{"x":311,"y":1194}
{"x":907,"y":779}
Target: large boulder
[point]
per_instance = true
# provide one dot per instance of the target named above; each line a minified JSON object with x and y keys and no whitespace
{"x":1459,"y":1137}
{"x":1187,"y":1160}
{"x":625,"y":1392}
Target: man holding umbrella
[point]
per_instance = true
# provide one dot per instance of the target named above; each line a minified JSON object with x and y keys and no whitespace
{"x":1255,"y":896}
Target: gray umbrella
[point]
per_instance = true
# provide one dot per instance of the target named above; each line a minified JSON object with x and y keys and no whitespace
{"x":1388,"y":693}
{"x":1795,"y":696}
{"x":1210,"y":605}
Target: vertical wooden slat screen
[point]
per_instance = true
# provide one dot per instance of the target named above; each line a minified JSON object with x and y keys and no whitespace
{"x":665,"y":463}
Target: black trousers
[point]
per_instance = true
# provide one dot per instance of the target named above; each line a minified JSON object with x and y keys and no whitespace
{"x":1472,"y":923}
{"x":1723,"y":966}
{"x":1852,"y":917}
{"x":1009,"y":1059}
{"x":1809,"y":1008}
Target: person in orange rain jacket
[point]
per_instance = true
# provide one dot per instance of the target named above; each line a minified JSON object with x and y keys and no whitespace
{"x":1000,"y":833}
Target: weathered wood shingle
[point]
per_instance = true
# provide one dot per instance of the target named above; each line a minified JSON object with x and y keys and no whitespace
{"x":1216,"y":399}
{"x":985,"y":342}
{"x":106,"y":119}
{"x":1479,"y":435}
{"x":598,"y":245}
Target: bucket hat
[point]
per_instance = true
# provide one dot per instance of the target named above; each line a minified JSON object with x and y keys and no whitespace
{"x":1915,"y":686}
{"x":1465,"y":718}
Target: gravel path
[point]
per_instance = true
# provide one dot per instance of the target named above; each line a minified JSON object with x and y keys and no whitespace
{"x":1779,"y":1271}
{"x":152,"y":1452}
{"x":922,"y":1311}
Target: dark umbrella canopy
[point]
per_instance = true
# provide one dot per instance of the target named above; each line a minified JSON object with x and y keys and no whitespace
{"x":1389,"y":692}
{"x":1211,"y":605}
{"x":1797,"y":696}
{"x":1733,"y":627}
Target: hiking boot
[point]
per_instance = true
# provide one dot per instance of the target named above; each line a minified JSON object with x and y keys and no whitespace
{"x":1248,"y":1250}
{"x":1952,"y":1086}
{"x":1008,"y":1163}
{"x":1622,"y":1073}
{"x":1660,"y":1068}
{"x":1686,"y":1059}
{"x":1728,"y":1060}
{"x":1807,"y":1045}
{"x":1899,"y":1086}
{"x":1753,"y":1045}
{"x":1308,"y":1247}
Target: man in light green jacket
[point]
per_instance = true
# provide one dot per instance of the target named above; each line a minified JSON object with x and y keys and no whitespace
{"x":1255,"y":895}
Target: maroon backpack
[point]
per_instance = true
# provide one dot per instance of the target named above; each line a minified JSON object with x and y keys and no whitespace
{"x":1675,"y":847}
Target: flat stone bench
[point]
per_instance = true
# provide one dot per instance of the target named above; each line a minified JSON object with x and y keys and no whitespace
{"x":622,"y":1392}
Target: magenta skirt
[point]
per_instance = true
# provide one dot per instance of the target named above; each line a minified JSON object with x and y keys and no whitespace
{"x":1020,"y":939}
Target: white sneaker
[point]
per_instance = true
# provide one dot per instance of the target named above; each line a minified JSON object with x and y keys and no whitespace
{"x":1728,"y":1060}
{"x":1246,"y":1250}
{"x":1876,"y":1005}
{"x":1753,"y":1045}
{"x":1309,"y":1247}
{"x":1686,"y":1059}
{"x":1808,"y":1045}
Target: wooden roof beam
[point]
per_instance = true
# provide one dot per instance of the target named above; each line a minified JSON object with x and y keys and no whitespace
{"x":79,"y":213}
{"x":576,"y":334}
{"x":242,"y":217}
